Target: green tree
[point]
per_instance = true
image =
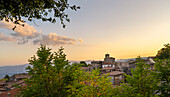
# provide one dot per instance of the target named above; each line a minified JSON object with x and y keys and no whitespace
{"x":164,"y":53}
{"x":90,"y":84}
{"x":125,"y":90}
{"x":84,"y":64}
{"x":50,"y":74}
{"x":7,"y":77}
{"x":53,"y":76}
{"x":162,"y":73}
{"x":141,"y":83}
{"x":45,"y":10}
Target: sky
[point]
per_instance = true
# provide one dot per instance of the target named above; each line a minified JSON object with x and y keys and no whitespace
{"x":122,"y":28}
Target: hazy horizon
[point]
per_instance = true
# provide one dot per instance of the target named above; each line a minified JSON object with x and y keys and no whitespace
{"x":72,"y":61}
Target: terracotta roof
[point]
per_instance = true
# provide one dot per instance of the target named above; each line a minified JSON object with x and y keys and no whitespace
{"x":118,"y":69}
{"x":13,"y":92}
{"x":20,"y":82}
{"x":107,"y":63}
{"x":132,"y":61}
{"x":2,"y":82}
{"x":2,"y":89}
{"x":115,"y":73}
{"x":21,"y":75}
{"x":108,"y":68}
{"x":11,"y":83}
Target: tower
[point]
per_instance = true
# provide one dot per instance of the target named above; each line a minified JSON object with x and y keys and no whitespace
{"x":107,"y":56}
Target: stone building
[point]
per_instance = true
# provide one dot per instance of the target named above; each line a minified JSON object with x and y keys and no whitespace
{"x":107,"y":69}
{"x":96,"y":64}
{"x":123,"y":67}
{"x":20,"y":76}
{"x":2,"y":86}
{"x":109,"y":66}
{"x":16,"y":79}
{"x":116,"y":76}
{"x":108,"y":61}
{"x":117,"y":69}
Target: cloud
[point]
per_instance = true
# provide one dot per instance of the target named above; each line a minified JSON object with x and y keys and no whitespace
{"x":6,"y":38}
{"x":24,"y":33}
{"x":28,"y":33}
{"x":54,"y":39}
{"x":80,"y":40}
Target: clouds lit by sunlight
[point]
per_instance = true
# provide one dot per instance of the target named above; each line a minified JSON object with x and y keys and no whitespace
{"x":28,"y":33}
{"x":54,"y":39}
{"x":6,"y":38}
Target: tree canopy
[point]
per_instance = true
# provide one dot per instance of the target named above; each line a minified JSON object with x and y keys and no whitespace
{"x":84,"y":64}
{"x":53,"y":76}
{"x":15,"y":10}
{"x":164,"y":53}
{"x":91,"y":84}
{"x":50,"y":74}
{"x":7,"y":77}
{"x":141,"y":84}
{"x":162,"y":74}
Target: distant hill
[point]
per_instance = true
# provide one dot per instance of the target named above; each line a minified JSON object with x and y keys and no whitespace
{"x":125,"y":60}
{"x":10,"y":70}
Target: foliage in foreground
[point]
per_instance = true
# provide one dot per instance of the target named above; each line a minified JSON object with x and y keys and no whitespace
{"x":83,"y":64}
{"x":45,"y":10}
{"x":141,"y":84}
{"x":50,"y":73}
{"x":53,"y":76}
{"x":91,"y":84}
{"x":162,"y":74}
{"x":164,"y":53}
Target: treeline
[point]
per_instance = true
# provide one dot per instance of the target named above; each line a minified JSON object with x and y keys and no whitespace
{"x":52,"y":76}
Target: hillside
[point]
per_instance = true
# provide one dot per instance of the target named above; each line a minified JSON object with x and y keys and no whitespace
{"x":10,"y":70}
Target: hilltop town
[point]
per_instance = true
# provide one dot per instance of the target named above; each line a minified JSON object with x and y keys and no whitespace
{"x":115,"y":69}
{"x":9,"y":85}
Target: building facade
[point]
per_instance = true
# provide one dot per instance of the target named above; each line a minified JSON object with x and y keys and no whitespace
{"x":108,"y":61}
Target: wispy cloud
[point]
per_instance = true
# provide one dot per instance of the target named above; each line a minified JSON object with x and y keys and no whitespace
{"x":29,"y":33}
{"x":6,"y":38}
